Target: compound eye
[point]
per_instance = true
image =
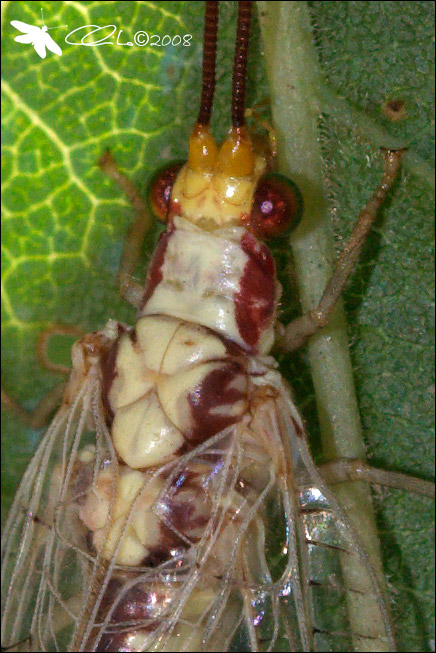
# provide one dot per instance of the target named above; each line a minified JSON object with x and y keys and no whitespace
{"x":159,"y":189}
{"x":277,"y":206}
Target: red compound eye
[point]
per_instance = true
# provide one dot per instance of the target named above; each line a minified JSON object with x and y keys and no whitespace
{"x":159,"y":189}
{"x":277,"y":206}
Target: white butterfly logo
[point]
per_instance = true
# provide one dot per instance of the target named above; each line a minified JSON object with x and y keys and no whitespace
{"x":38,"y":37}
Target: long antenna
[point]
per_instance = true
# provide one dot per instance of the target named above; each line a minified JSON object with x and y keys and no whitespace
{"x":209,"y":62}
{"x":239,"y":82}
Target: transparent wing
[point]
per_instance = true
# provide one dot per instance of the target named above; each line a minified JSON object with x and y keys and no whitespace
{"x":235,"y":545}
{"x":68,"y":587}
{"x":24,"y":27}
{"x":334,"y":602}
{"x":34,"y":565}
{"x":51,"y":44}
{"x":42,"y":544}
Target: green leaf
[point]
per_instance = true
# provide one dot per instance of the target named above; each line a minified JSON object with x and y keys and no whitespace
{"x":64,"y":222}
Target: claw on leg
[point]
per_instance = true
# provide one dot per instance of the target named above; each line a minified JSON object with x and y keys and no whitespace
{"x":297,"y":332}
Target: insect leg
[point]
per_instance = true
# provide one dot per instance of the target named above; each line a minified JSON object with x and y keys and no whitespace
{"x":39,"y":416}
{"x":342,"y":470}
{"x":297,"y":332}
{"x":267,"y":146}
{"x":130,"y":290}
{"x":42,"y":346}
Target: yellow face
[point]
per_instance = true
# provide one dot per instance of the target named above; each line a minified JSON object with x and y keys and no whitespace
{"x":225,"y":187}
{"x":212,"y":199}
{"x":215,"y":187}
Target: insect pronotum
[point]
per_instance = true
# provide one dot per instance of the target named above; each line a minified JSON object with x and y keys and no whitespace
{"x":25,"y":108}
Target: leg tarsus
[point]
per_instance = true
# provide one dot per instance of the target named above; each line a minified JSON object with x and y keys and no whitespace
{"x":42,"y":346}
{"x":39,"y":416}
{"x":270,"y":152}
{"x":131,"y":291}
{"x":297,"y":332}
{"x":129,"y":288}
{"x":343,"y":470}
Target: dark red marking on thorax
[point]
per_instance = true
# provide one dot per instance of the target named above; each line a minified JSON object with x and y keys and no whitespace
{"x":108,"y":361}
{"x":155,"y":274}
{"x":208,"y":401}
{"x":187,"y":507}
{"x":187,"y":511}
{"x":255,"y":302}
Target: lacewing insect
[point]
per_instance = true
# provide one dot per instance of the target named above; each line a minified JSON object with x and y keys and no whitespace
{"x":185,"y":618}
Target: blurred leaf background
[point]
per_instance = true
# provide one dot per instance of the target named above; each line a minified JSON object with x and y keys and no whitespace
{"x":64,"y":222}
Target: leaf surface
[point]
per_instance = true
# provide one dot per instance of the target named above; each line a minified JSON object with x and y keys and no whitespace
{"x":64,"y":222}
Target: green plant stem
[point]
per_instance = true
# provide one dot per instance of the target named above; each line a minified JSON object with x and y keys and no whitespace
{"x":293,"y":72}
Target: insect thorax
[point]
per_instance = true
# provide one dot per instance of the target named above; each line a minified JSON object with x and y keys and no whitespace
{"x":224,"y":280}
